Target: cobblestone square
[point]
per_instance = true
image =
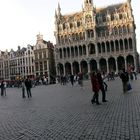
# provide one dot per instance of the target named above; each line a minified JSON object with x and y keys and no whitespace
{"x":58,"y":112}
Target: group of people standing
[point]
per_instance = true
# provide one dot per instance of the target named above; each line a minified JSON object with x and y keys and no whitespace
{"x":97,"y":85}
{"x":26,"y":84}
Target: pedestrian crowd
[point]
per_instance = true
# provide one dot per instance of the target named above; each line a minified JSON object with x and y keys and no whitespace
{"x":26,"y":85}
{"x":97,"y":82}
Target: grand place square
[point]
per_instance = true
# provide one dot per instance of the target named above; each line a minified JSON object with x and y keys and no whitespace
{"x":85,"y":86}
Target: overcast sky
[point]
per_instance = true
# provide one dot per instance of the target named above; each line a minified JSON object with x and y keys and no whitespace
{"x":22,"y":20}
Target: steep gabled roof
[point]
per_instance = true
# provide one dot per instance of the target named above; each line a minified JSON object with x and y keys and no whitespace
{"x":72,"y":16}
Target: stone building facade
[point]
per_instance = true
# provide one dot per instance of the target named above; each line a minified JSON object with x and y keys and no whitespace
{"x":95,"y":38}
{"x":21,"y":63}
{"x":4,"y":65}
{"x":44,"y":59}
{"x":32,"y":61}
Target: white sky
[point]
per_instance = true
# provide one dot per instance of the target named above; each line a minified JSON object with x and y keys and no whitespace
{"x":22,"y":20}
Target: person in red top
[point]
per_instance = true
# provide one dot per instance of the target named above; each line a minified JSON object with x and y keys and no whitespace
{"x":95,"y":88}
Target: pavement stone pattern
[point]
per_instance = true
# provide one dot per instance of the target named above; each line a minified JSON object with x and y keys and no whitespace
{"x":58,"y":112}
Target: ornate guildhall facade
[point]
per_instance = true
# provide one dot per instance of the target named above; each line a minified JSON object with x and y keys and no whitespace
{"x":95,"y":38}
{"x":44,"y":59}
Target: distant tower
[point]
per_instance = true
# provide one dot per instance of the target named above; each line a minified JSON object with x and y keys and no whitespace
{"x":88,"y":5}
{"x":59,"y":11}
{"x":89,"y":11}
{"x":39,"y":38}
{"x":88,"y":2}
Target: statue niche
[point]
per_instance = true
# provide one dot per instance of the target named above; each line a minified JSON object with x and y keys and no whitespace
{"x":88,"y":18}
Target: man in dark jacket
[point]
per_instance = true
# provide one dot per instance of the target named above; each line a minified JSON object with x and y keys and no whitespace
{"x":125,"y":78}
{"x":28,"y":85}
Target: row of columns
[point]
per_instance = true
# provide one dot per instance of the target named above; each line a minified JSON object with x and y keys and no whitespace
{"x":85,"y":49}
{"x":98,"y":65}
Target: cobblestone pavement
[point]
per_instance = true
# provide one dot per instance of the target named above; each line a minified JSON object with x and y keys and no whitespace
{"x":58,"y":112}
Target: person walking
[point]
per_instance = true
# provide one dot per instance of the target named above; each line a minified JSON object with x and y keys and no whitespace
{"x":23,"y":89}
{"x":2,"y":88}
{"x":95,"y":88}
{"x":28,"y":85}
{"x":101,"y":85}
{"x":72,"y":79}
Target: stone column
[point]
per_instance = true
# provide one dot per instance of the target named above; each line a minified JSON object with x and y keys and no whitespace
{"x":48,"y":70}
{"x":71,"y":69}
{"x":107,"y":65}
{"x":88,"y":63}
{"x":116,"y":65}
{"x":115,"y":50}
{"x":119,"y":46}
{"x":78,"y":51}
{"x":56,"y":67}
{"x":80,"y":68}
{"x":98,"y":65}
{"x":42,"y":55}
{"x":64,"y":69}
{"x":124,"y":47}
{"x":43,"y":67}
{"x":87,"y":51}
{"x":96,"y":50}
{"x":86,"y":36}
{"x":101,"y":49}
{"x":31,"y":69}
{"x":105,"y":49}
{"x":39,"y":67}
{"x":62,"y":53}
{"x":135,"y":63}
{"x":125,"y":63}
{"x":70,"y":53}
{"x":74,"y":51}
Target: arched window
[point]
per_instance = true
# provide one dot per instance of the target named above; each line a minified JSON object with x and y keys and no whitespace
{"x":126,"y":44}
{"x":130,"y":43}
{"x":103,"y":47}
{"x":108,"y":46}
{"x":121,"y":45}
{"x":124,"y":29}
{"x":64,"y":26}
{"x":120,"y":16}
{"x":78,"y":24}
{"x":117,"y":45}
{"x":115,"y":31}
{"x":60,"y":52}
{"x":120,"y":30}
{"x":112,"y":46}
{"x":71,"y":25}
{"x":99,"y":47}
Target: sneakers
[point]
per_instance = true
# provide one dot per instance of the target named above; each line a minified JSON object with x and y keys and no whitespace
{"x":92,"y":101}
{"x":98,"y":103}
